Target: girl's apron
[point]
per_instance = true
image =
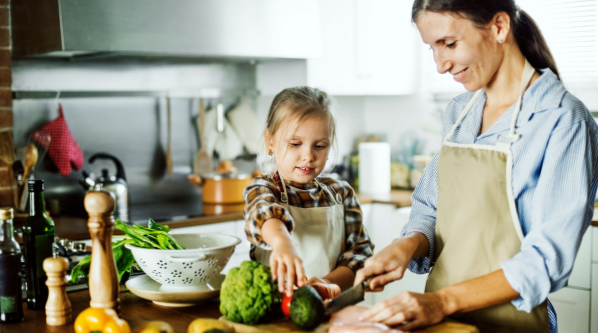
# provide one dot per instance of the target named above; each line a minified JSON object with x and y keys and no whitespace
{"x":477,"y":226}
{"x":319,"y":234}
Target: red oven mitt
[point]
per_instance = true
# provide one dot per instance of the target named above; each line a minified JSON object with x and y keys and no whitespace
{"x":63,"y":149}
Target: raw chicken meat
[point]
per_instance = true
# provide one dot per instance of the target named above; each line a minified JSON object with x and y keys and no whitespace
{"x":346,"y":321}
{"x":361,"y":328}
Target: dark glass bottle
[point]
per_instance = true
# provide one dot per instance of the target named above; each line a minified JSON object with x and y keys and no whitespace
{"x":11,"y":300}
{"x":38,"y":240}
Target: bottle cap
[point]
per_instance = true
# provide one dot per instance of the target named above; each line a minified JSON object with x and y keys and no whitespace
{"x":6,"y":214}
{"x":36,"y":185}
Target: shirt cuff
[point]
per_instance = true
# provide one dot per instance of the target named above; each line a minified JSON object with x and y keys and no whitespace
{"x":527,"y":274}
{"x":422,"y":265}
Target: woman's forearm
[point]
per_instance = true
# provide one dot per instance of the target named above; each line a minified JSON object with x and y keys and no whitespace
{"x":419,"y":242}
{"x":484,"y":291}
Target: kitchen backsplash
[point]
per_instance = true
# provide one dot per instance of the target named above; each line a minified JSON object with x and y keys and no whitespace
{"x":132,"y":128}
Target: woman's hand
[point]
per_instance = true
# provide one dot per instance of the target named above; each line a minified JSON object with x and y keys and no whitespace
{"x":325,"y":288}
{"x":390,"y":264}
{"x":408,"y":310}
{"x":286,"y":265}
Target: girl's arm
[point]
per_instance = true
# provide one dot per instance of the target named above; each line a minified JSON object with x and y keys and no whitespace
{"x":285,"y":263}
{"x":268,"y":225}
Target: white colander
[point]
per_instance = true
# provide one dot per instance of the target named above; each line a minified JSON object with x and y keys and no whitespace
{"x":203,"y":259}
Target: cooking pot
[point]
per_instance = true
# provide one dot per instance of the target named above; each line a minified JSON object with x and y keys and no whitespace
{"x":225,"y":186}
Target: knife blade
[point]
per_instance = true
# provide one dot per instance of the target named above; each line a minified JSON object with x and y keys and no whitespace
{"x":348,"y":297}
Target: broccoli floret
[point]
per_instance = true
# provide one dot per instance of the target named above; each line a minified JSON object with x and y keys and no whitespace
{"x":248,"y":294}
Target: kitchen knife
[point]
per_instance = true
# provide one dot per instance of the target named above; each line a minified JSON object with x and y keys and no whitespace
{"x":350,"y":296}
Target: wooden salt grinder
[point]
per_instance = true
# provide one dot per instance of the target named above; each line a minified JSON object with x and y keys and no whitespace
{"x":58,"y":307}
{"x":103,"y":280}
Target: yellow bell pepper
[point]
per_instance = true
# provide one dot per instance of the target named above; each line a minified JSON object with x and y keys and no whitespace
{"x":95,"y":320}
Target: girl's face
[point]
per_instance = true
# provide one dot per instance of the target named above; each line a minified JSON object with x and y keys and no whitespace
{"x":301,"y":156}
{"x":470,"y":54}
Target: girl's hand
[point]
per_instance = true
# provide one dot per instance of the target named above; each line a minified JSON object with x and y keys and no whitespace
{"x":408,"y":310}
{"x":286,"y":265}
{"x":387,"y":265}
{"x":325,"y":288}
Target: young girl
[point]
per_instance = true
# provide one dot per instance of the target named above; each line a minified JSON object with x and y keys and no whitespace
{"x":306,"y":228}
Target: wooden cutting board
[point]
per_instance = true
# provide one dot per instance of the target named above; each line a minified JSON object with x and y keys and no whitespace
{"x":287,"y":326}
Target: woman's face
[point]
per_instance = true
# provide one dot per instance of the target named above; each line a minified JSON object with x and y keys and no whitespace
{"x":467,"y":52}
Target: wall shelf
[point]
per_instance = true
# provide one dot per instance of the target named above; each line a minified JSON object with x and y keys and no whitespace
{"x":198,"y":93}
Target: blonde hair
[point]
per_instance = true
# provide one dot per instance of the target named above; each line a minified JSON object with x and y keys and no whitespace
{"x":296,"y":104}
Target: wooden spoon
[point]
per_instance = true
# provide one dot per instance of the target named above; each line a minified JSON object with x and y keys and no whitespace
{"x":30,"y":161}
{"x":203,"y":161}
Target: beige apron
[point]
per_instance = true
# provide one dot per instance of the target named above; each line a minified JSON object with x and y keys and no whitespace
{"x":319,"y":234}
{"x":477,"y":226}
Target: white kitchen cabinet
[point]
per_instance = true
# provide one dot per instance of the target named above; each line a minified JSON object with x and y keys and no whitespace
{"x":581,"y":273}
{"x":594,"y":244}
{"x":594,"y":297}
{"x":572,"y":309}
{"x":368,"y":48}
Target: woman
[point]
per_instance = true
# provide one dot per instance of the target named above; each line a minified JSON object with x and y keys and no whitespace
{"x":500,"y":211}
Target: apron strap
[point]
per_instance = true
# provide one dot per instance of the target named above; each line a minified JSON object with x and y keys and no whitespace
{"x":284,"y":197}
{"x":331,"y":194}
{"x":528,"y":72}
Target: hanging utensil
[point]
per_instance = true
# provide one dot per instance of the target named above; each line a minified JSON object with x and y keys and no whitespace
{"x":203,"y":162}
{"x":30,"y":161}
{"x":220,"y":139}
{"x":168,"y":134}
{"x":42,"y":138}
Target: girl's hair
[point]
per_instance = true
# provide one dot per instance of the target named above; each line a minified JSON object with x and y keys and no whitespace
{"x":296,"y":104}
{"x":526,"y":32}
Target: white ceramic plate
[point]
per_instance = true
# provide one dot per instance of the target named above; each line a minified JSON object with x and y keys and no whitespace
{"x":145,"y":287}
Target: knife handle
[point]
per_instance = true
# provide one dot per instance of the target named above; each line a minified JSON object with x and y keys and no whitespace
{"x":367,"y":283}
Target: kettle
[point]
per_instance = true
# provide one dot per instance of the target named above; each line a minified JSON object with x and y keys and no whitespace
{"x":117,"y":185}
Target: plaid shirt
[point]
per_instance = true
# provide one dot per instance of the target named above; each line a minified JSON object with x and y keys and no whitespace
{"x":261,"y":198}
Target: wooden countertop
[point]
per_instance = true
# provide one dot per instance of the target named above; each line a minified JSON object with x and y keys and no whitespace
{"x":399,"y":198}
{"x":137,"y":311}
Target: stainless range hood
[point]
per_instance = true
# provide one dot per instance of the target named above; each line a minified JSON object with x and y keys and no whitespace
{"x":221,"y":29}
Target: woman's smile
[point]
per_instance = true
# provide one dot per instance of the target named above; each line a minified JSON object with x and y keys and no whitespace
{"x":460,"y":75}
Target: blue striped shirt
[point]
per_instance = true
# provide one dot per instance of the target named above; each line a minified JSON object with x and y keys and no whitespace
{"x":555,"y":165}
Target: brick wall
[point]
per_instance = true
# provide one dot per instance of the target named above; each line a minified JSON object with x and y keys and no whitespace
{"x":6,"y":120}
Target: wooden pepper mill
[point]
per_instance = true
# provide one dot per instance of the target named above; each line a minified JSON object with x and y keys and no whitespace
{"x":58,"y":307}
{"x":103,"y":280}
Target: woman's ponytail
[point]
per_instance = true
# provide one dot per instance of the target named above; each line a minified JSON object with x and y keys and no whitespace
{"x":531,"y":42}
